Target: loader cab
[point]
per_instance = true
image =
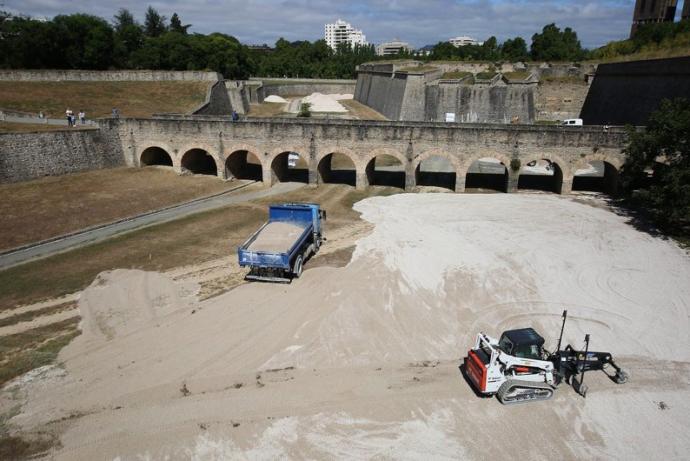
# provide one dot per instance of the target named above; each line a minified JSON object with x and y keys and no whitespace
{"x":524,"y":343}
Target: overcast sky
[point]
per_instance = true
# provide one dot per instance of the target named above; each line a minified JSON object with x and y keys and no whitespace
{"x":420,"y":22}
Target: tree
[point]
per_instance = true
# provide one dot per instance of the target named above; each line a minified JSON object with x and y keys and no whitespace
{"x":515,"y":49}
{"x":176,"y":25}
{"x":554,"y":45}
{"x":154,"y":24}
{"x":489,"y":50}
{"x":123,"y":19}
{"x":664,"y":149}
{"x":129,"y":37}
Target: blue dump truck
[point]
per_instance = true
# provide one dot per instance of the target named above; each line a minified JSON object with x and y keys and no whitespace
{"x":277,"y":251}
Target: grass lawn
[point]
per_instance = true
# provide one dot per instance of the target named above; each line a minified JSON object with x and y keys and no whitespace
{"x":71,"y":202}
{"x":133,"y":99}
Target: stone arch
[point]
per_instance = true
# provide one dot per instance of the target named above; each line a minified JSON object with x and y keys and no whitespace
{"x":487,"y":175}
{"x":436,"y":176}
{"x":199,"y":161}
{"x":155,"y":155}
{"x":395,"y":177}
{"x":338,"y":173}
{"x":602,"y":176}
{"x":243,"y":161}
{"x":549,"y":182}
{"x":587,"y":159}
{"x":280,"y":169}
{"x":210,"y":150}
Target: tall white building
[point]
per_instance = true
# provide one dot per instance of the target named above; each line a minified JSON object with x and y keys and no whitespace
{"x":462,"y":41}
{"x":343,"y":32}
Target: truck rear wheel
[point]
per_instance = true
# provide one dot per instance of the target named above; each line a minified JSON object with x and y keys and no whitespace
{"x":297,"y":267}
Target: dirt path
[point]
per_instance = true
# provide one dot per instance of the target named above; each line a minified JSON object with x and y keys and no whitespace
{"x":362,"y":361}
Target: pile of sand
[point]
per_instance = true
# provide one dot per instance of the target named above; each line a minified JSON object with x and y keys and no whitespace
{"x":120,"y":302}
{"x":325,"y":102}
{"x":276,"y":237}
{"x":275,"y":98}
{"x":362,"y":361}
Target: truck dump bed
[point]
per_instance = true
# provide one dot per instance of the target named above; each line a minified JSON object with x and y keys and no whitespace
{"x":276,"y":237}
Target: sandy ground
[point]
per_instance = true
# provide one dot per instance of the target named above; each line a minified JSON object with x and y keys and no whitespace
{"x":362,"y":361}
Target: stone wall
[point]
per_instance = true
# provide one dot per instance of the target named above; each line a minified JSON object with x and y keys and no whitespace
{"x":398,"y":92}
{"x":423,"y":97}
{"x":239,"y":95}
{"x":560,"y":99}
{"x":109,"y":75}
{"x":481,"y":103}
{"x":383,"y":92}
{"x":628,"y":92}
{"x":302,"y":87}
{"x":217,"y":101}
{"x":25,"y":156}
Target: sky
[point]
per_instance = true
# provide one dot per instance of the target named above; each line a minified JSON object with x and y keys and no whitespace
{"x":419,"y":22}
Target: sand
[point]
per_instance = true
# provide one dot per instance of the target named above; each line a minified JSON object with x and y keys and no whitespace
{"x":276,"y":237}
{"x":275,"y":98}
{"x":362,"y":362}
{"x":325,"y":102}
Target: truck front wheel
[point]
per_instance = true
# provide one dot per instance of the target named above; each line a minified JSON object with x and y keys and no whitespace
{"x":297,"y":268}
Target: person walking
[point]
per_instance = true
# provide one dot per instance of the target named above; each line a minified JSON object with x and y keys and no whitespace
{"x":82,"y":117}
{"x":68,"y":113}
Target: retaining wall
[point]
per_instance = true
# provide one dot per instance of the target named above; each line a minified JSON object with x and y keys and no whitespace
{"x":480,"y":103}
{"x":25,"y":156}
{"x":628,"y":92}
{"x":302,"y":87}
{"x":109,"y":75}
{"x":217,"y":101}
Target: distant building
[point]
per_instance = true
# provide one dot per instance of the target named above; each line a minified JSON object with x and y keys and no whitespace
{"x":654,"y":11}
{"x":343,"y":32}
{"x":686,"y":10}
{"x":424,"y":51}
{"x":463,"y":41}
{"x":392,"y":48}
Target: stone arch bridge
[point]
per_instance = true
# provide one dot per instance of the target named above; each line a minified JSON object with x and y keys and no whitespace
{"x":266,"y":150}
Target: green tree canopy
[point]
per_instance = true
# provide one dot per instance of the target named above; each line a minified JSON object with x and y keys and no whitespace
{"x":515,"y":49}
{"x":556,"y":45}
{"x":664,"y":150}
{"x":176,"y":25}
{"x":154,"y":23}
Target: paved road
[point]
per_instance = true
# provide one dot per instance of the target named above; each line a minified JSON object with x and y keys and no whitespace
{"x":93,"y":235}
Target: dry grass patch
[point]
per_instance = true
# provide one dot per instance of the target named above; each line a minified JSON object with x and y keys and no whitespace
{"x":360,"y":111}
{"x":133,"y":99}
{"x":267,"y":109}
{"x":191,"y":240}
{"x":35,"y":348}
{"x":64,"y":204}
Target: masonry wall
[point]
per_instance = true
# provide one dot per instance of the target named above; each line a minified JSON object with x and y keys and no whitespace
{"x":559,"y":100}
{"x":480,"y":103}
{"x":382,"y":92}
{"x":217,"y":101}
{"x":25,"y":156}
{"x":110,"y":75}
{"x":304,"y":89}
{"x":628,"y":92}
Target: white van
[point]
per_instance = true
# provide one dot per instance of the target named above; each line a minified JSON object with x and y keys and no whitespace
{"x":572,"y":122}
